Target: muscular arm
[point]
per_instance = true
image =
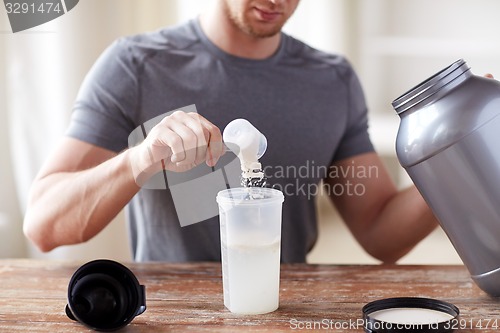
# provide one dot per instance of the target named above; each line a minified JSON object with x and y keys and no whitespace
{"x":82,"y":187}
{"x":79,"y":190}
{"x":386,"y":222}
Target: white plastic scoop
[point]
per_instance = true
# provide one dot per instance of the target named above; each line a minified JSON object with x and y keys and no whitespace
{"x":242,"y":138}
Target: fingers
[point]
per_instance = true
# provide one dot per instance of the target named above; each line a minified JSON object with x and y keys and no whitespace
{"x":186,"y":134}
{"x":489,"y":76}
{"x":213,"y":137}
{"x":184,"y":140}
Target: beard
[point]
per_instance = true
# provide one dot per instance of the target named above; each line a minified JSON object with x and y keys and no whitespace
{"x":255,"y":31}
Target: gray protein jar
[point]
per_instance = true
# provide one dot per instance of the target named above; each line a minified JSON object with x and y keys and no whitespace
{"x":449,"y":143}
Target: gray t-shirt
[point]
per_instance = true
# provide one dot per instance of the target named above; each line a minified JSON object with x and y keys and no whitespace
{"x":308,"y":103}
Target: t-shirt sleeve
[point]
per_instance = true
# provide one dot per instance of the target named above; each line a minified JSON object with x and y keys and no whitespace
{"x":107,"y":100}
{"x":356,"y":139}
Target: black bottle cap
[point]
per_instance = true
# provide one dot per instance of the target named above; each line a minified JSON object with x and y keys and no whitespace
{"x":409,"y":314}
{"x":104,"y":295}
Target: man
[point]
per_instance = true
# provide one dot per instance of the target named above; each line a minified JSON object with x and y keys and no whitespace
{"x":233,"y":62}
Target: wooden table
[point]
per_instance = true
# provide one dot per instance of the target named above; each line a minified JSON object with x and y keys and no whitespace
{"x":188,"y":297}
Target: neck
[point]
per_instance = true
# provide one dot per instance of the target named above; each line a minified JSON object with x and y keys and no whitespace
{"x":224,"y":34}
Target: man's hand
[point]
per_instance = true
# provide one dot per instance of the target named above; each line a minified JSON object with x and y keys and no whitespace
{"x":178,"y":143}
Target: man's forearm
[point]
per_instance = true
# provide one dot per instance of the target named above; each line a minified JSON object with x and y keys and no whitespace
{"x":71,"y":207}
{"x":405,"y":220}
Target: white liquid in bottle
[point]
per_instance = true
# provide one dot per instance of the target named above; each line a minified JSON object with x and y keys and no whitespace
{"x":253,"y":278}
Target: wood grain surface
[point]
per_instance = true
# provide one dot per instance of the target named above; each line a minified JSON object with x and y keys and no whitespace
{"x":188,"y":297}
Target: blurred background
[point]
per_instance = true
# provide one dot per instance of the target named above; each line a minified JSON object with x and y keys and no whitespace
{"x":392,"y":44}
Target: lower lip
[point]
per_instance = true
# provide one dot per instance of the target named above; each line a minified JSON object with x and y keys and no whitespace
{"x":266,"y":16}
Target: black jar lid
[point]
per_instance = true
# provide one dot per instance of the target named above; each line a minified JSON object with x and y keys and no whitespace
{"x":105,"y":295}
{"x":409,"y":314}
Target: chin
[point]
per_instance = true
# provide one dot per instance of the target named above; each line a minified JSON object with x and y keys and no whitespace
{"x":263,"y":31}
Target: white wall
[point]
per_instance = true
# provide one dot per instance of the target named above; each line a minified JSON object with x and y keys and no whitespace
{"x":394,"y":45}
{"x":45,"y":67}
{"x":12,"y":243}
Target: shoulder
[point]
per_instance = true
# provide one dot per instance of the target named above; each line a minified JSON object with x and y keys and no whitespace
{"x":299,"y":52}
{"x":149,"y":44}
